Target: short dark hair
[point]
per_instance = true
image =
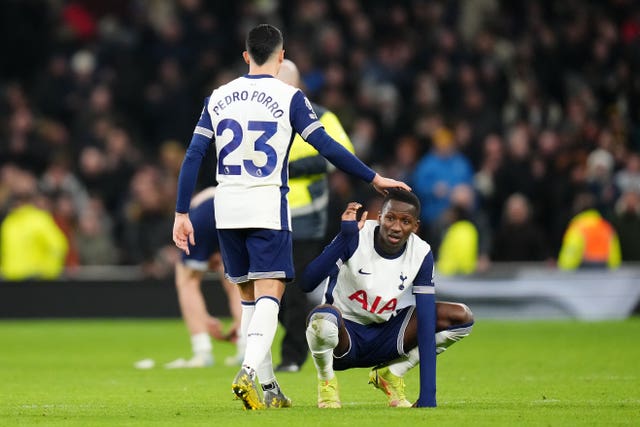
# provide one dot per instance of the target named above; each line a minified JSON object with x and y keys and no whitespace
{"x":405,"y":196}
{"x":262,"y":41}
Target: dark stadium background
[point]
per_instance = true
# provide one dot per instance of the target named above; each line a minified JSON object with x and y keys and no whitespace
{"x":98,"y":101}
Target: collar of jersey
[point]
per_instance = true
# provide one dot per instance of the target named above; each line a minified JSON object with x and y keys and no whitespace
{"x":379,"y":249}
{"x":259,"y":76}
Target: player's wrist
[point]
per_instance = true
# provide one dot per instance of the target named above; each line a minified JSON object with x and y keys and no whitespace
{"x":349,"y":227}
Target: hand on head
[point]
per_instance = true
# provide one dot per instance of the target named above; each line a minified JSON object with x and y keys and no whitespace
{"x":381,"y":184}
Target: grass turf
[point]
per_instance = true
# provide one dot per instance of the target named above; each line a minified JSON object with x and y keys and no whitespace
{"x":80,"y":372}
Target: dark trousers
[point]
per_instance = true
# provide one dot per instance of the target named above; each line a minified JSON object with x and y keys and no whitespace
{"x":295,"y":305}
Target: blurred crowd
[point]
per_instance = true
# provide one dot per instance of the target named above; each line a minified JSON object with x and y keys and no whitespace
{"x":496,"y":112}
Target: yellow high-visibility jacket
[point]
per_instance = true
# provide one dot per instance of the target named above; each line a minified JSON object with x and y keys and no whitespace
{"x":32,"y":246}
{"x":458,"y":252}
{"x":308,"y":186}
{"x":589,"y":240}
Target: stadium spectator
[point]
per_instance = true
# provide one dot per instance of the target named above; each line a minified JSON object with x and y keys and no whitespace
{"x":256,"y":246}
{"x":458,"y":252}
{"x":628,"y":178}
{"x":367,"y":320}
{"x":309,"y":199}
{"x":32,"y":246}
{"x":436,"y":174}
{"x":600,"y":164}
{"x":518,"y":238}
{"x":484,"y":180}
{"x":569,"y":83}
{"x":463,"y":196}
{"x":626,"y":221}
{"x":147,"y":217}
{"x":589,"y":240}
{"x":93,"y":238}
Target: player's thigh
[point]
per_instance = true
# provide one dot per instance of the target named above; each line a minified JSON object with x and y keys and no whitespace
{"x":374,"y":344}
{"x":270,"y":254}
{"x":235,"y":257}
{"x":188,"y":278}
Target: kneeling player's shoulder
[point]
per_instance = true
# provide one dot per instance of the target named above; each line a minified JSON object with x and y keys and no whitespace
{"x":419,"y":246}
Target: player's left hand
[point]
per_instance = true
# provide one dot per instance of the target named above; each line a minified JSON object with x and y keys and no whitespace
{"x":381,"y":183}
{"x":351,"y":214}
{"x":183,"y":232}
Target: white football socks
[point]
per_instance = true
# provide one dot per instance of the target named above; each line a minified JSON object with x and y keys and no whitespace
{"x":265,"y":370}
{"x":401,"y":365}
{"x":261,"y":331}
{"x":201,"y":343}
{"x":246,"y":314}
{"x":448,"y":337}
{"x":444,"y":339}
{"x":322,"y":337}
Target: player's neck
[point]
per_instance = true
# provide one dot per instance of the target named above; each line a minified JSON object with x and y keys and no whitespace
{"x":269,"y":67}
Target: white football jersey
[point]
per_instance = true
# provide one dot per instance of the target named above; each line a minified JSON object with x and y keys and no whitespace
{"x":253,"y":120}
{"x":371,"y":287}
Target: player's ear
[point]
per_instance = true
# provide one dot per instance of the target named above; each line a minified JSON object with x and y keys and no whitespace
{"x":281,"y":56}
{"x":246,"y":57}
{"x":416,"y":226}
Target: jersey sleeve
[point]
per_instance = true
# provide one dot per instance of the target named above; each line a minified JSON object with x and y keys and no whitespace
{"x":303,"y":117}
{"x":305,"y":121}
{"x":332,"y":257}
{"x":202,"y":136}
{"x":424,"y":290}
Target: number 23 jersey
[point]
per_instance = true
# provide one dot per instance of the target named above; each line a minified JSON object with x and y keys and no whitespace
{"x":253,"y":120}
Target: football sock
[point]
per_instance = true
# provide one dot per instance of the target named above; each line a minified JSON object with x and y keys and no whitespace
{"x":248,"y":307}
{"x":265,"y":370}
{"x":322,"y":337}
{"x":448,"y":337}
{"x":201,"y":343}
{"x":401,"y":365}
{"x":261,"y":331}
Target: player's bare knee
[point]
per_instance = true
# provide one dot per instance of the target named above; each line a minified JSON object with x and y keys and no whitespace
{"x":466,"y":315}
{"x":455,"y":314}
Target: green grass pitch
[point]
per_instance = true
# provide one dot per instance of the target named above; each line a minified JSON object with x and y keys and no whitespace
{"x":80,"y":373}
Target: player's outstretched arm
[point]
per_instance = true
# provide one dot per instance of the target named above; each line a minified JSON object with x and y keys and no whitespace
{"x":183,"y":232}
{"x":381,"y":183}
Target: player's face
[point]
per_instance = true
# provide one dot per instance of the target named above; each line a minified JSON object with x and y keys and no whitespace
{"x":397,"y":221}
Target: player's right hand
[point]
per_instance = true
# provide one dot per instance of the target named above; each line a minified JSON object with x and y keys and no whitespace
{"x":381,"y":183}
{"x":183,"y":232}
